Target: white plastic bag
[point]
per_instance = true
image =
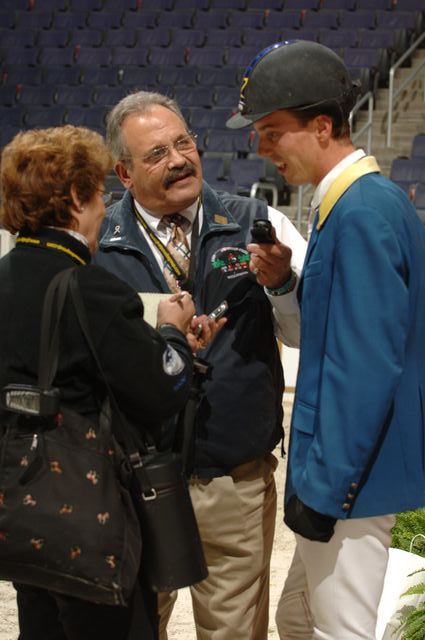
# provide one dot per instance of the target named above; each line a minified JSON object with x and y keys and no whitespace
{"x":397,"y":581}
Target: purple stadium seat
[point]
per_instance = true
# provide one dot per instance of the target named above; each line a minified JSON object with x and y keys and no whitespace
{"x":418,"y":147}
{"x":213,"y":56}
{"x":70,"y":19}
{"x":339,"y":37}
{"x":19,"y":37}
{"x":40,"y":94}
{"x":359,"y":19}
{"x":211,"y":19}
{"x":19,"y":55}
{"x":20,"y":74}
{"x":57,"y":74}
{"x":158,"y":37}
{"x":124,"y":37}
{"x":92,"y":117}
{"x":241,"y":57}
{"x":93,"y":56}
{"x":123,"y":56}
{"x":52,"y":38}
{"x":406,"y":172}
{"x":177,"y":19}
{"x":34,"y":19}
{"x":349,"y":5}
{"x":234,"y":5}
{"x":139,"y":77}
{"x":199,"y":96}
{"x":324,"y":19}
{"x":261,"y":38}
{"x":188,"y":37}
{"x":235,"y":141}
{"x":81,"y":95}
{"x":167,"y":55}
{"x":57,"y":56}
{"x":8,"y":94}
{"x":252,"y":19}
{"x":105,"y":19}
{"x":108,"y":96}
{"x":42,"y":116}
{"x":216,"y":118}
{"x":229,"y":37}
{"x":244,"y":172}
{"x":171,"y":75}
{"x":140,"y":19}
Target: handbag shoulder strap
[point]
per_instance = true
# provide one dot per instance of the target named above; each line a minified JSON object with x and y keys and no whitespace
{"x":132,"y":450}
{"x":81,"y":312}
{"x":50,"y":317}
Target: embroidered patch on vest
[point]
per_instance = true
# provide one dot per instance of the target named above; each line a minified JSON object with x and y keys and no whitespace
{"x":219,"y":219}
{"x":232,"y":261}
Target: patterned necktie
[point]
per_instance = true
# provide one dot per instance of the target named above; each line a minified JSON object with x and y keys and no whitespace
{"x":178,"y":248}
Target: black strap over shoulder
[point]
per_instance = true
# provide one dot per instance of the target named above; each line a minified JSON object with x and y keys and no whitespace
{"x":49,"y":339}
{"x":49,"y":352}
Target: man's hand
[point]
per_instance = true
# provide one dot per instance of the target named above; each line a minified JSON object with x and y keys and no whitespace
{"x":202,"y":330}
{"x":271,"y":263}
{"x":177,"y":310}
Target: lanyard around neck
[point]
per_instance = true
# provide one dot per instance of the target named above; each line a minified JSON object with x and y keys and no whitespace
{"x":185,"y":283}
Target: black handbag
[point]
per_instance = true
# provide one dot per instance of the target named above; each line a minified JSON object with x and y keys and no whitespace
{"x":67,"y":520}
{"x":172,"y":549}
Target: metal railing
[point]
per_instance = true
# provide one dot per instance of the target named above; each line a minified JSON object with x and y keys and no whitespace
{"x":366,"y":128}
{"x":394,"y":93}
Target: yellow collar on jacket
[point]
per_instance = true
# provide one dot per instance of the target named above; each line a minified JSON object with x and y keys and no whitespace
{"x":365,"y":165}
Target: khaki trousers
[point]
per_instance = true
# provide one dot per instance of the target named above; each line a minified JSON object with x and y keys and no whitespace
{"x":333,"y":589}
{"x":236,"y":517}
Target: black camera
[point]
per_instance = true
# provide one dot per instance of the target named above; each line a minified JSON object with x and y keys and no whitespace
{"x":30,"y":400}
{"x":262,"y":231}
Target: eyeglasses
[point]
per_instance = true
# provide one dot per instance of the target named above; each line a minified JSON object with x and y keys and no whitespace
{"x":183,"y":145}
{"x":107,"y":197}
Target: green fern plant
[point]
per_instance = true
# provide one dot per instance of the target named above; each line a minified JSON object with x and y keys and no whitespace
{"x":407,"y":526}
{"x":412,"y":622}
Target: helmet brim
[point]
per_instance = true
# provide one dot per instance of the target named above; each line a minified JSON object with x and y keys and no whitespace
{"x":238,"y":121}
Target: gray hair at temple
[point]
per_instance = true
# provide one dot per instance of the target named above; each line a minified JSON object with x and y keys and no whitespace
{"x":139,"y":102}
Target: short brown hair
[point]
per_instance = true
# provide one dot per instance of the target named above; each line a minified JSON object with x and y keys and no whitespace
{"x":337,"y":112}
{"x":38,"y":169}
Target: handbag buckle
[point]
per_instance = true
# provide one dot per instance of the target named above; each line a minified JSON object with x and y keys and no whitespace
{"x":151,"y":495}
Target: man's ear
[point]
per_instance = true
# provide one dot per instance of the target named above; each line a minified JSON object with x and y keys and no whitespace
{"x":323,"y":128}
{"x":123,"y":175}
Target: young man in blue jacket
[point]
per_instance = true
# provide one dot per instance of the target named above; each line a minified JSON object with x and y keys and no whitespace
{"x":239,"y":418}
{"x":357,"y":447}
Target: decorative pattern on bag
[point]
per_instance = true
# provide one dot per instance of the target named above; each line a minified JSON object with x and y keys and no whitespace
{"x":67,"y":521}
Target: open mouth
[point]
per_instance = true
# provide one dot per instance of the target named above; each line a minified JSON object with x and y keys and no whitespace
{"x":281,"y":167}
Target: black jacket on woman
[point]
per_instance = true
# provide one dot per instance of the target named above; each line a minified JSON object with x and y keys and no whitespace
{"x":148,"y":371}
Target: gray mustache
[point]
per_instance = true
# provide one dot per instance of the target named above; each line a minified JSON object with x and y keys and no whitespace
{"x":175,"y":174}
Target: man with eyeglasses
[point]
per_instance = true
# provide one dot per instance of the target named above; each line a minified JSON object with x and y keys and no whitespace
{"x":239,"y":417}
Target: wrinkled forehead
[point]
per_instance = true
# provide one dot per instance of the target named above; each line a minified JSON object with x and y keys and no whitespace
{"x":155,"y":126}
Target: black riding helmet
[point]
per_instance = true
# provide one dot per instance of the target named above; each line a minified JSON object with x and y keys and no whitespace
{"x":294,"y":74}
